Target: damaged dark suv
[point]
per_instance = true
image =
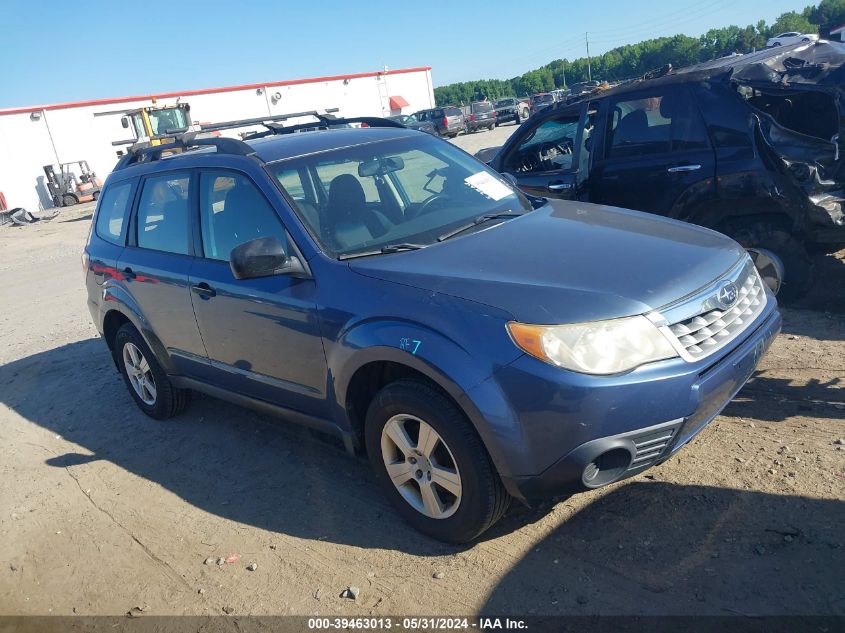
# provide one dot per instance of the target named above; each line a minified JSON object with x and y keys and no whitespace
{"x":747,"y":145}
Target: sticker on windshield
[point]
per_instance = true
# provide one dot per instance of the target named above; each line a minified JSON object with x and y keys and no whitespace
{"x":486,"y":184}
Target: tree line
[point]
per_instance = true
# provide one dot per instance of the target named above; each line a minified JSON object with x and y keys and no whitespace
{"x":634,"y":60}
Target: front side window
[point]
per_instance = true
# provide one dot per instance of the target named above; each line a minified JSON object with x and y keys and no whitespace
{"x":233,"y":211}
{"x":550,"y":146}
{"x":163,"y":213}
{"x":111,"y":213}
{"x":420,"y":188}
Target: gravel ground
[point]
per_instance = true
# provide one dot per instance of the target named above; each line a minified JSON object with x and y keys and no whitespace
{"x":103,"y":510}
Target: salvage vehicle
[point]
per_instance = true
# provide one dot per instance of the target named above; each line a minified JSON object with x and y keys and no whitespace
{"x":793,"y":37}
{"x":384,"y":287}
{"x":410,"y":121}
{"x":750,"y":146}
{"x":540,"y":101}
{"x":511,"y":109}
{"x":481,"y":116}
{"x":449,"y":120}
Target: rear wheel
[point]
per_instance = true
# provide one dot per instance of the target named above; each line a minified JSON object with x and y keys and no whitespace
{"x":147,"y":382}
{"x":96,"y":194}
{"x":795,"y":263}
{"x":68,"y":200}
{"x":525,"y":113}
{"x":431,"y":464}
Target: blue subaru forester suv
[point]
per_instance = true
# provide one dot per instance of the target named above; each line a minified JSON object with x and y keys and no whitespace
{"x":385,"y":287}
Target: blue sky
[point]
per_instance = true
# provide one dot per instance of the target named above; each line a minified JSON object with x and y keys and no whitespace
{"x":65,"y":51}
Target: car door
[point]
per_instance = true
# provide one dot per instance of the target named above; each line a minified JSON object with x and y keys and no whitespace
{"x":656,"y":153}
{"x":261,"y":334}
{"x":551,"y":158}
{"x":155,"y":265}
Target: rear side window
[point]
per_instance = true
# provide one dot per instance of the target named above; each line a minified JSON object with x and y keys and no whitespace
{"x":111,"y":215}
{"x":163,"y":214}
{"x":657,"y":124}
{"x":234,"y":211}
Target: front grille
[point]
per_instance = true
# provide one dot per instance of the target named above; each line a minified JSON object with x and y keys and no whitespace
{"x":650,"y":447}
{"x":712,"y":329}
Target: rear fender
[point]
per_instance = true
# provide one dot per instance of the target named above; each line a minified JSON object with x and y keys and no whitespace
{"x":115,"y":297}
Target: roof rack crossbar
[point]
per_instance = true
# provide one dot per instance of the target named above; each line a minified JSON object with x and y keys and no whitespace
{"x":322,"y":123}
{"x":261,"y":120}
{"x":184,"y":141}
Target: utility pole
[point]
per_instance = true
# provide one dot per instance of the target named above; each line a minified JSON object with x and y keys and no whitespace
{"x":564,"y":75}
{"x":589,"y":69}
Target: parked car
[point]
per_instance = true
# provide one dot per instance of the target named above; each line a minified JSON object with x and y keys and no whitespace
{"x":449,"y":120}
{"x":792,"y":37}
{"x":481,"y":116}
{"x":719,"y":144}
{"x":386,"y":288}
{"x":541,"y":100}
{"x":410,"y":121}
{"x":511,"y":109}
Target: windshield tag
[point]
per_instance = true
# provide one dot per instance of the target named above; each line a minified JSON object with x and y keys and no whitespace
{"x":489,"y":186}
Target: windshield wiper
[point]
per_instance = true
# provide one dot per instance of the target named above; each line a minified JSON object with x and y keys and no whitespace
{"x":481,"y":219}
{"x":384,"y":250}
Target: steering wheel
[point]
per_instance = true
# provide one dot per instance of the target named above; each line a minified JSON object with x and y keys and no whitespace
{"x":431,"y":204}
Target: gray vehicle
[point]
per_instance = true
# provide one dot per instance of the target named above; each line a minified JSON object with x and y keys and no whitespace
{"x":411,"y":122}
{"x":481,"y":116}
{"x":448,"y":120}
{"x":511,"y":109}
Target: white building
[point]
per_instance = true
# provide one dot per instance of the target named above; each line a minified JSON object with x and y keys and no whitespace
{"x":32,"y":137}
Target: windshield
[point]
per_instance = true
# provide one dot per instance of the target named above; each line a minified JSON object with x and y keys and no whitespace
{"x":170,"y":120}
{"x":543,"y":98}
{"x":504,"y":103}
{"x":405,"y":190}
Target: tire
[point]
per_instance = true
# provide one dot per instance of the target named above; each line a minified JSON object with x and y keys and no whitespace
{"x":68,"y":200}
{"x":457,"y":450}
{"x":490,"y":128}
{"x":797,"y":263}
{"x":167,"y":401}
{"x":96,"y":195}
{"x":525,"y":113}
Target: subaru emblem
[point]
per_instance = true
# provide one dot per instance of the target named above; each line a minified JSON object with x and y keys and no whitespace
{"x":727,"y":295}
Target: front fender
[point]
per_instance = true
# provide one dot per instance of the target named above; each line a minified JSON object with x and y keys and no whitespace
{"x":432,"y":354}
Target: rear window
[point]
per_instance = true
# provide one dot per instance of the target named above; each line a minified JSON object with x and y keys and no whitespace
{"x":453,"y":112}
{"x":482,"y":107}
{"x":111,"y":215}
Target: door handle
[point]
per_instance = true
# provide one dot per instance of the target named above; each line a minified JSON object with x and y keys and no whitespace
{"x":204,"y":290}
{"x":128,"y":273}
{"x":679,"y":169}
{"x":560,"y":186}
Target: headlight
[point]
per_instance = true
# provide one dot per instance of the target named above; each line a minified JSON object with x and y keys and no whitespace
{"x":600,"y":347}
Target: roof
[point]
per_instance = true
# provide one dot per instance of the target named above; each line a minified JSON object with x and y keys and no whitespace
{"x":819,"y":63}
{"x":284,"y":146}
{"x":205,"y":91}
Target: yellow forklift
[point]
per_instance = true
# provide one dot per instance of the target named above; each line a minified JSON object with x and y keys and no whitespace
{"x":153,"y":124}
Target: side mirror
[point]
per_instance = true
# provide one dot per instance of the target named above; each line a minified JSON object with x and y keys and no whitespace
{"x":263,"y":257}
{"x":487,"y":154}
{"x":124,"y":121}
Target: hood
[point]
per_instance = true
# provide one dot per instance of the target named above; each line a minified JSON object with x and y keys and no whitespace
{"x":567,"y":262}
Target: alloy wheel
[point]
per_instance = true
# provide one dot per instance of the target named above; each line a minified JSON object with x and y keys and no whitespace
{"x":139,"y":373}
{"x":421,"y":466}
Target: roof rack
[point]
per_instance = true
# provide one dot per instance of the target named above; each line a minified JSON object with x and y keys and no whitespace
{"x":183,"y":141}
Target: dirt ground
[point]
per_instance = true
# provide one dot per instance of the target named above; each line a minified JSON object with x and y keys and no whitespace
{"x":103,"y":510}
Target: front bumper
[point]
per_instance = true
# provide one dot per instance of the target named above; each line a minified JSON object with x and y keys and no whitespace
{"x":594,"y":430}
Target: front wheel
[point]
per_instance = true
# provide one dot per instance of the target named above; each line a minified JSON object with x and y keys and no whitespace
{"x":68,"y":200}
{"x":431,"y":464}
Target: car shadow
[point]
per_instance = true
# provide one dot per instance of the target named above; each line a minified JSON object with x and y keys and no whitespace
{"x":226,"y":460}
{"x":658,"y":548}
